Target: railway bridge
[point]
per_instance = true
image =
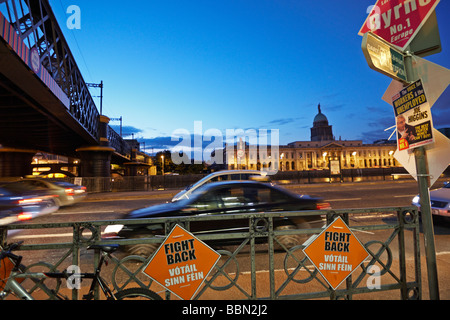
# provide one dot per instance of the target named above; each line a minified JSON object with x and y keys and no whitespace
{"x":45,"y":104}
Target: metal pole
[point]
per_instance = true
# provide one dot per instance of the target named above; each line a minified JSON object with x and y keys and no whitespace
{"x":427,"y":222}
{"x":101,"y":97}
{"x":425,"y":204}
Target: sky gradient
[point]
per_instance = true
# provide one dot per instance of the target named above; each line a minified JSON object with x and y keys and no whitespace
{"x":261,"y":64}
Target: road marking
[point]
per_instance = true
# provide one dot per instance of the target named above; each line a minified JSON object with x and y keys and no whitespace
{"x":131,"y":198}
{"x":375,"y":215}
{"x":61,"y":213}
{"x":311,"y":268}
{"x":16,"y":234}
{"x":347,"y":199}
{"x":405,"y":196}
{"x":362,"y":231}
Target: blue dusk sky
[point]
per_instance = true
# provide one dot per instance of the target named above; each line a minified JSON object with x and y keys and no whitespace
{"x":236,"y":64}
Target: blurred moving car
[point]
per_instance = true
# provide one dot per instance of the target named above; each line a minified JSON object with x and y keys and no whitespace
{"x":223,"y":198}
{"x":440,"y":201}
{"x":17,"y":204}
{"x":225,"y":175}
{"x":11,"y":213}
{"x":68,"y":193}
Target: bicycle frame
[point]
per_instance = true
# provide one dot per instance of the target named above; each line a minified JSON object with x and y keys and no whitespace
{"x":13,"y":286}
{"x":97,"y":279}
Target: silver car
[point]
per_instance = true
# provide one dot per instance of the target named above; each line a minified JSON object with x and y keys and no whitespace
{"x":225,"y":175}
{"x":67,"y":193}
{"x":18,"y":204}
{"x":440,"y":201}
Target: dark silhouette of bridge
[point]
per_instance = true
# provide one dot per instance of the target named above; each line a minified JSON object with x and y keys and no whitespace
{"x":45,"y":104}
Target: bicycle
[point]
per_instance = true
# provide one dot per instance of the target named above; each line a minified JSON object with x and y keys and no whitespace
{"x":12,"y":274}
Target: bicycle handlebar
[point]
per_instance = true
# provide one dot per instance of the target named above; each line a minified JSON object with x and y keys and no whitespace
{"x":12,"y":246}
{"x":7,"y":253}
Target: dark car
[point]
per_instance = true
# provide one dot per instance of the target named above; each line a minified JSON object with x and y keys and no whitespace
{"x":17,"y":204}
{"x":67,"y":193}
{"x":229,"y":197}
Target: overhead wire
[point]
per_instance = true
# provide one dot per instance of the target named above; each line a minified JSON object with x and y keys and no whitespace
{"x":78,"y":46}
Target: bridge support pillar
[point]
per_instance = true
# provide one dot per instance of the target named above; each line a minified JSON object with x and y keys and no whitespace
{"x":95,"y":161}
{"x":16,"y":162}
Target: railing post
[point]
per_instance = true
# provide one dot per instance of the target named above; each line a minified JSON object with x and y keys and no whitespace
{"x":76,"y":253}
{"x":3,"y":236}
{"x":271,"y":260}
{"x":401,"y":254}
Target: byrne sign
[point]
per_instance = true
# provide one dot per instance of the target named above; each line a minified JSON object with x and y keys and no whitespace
{"x":398,"y":21}
{"x":336,"y":252}
{"x":182,"y":263}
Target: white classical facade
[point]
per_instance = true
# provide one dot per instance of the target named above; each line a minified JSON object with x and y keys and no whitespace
{"x":317,"y":153}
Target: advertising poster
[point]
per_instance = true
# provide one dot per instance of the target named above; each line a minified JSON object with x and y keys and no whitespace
{"x":413,"y":117}
{"x":335,"y":167}
{"x":182,"y":263}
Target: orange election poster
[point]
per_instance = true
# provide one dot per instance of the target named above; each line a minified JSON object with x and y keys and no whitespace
{"x":182,"y":263}
{"x":336,"y":252}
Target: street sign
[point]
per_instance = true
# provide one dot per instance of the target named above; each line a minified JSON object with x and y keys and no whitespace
{"x":182,"y":263}
{"x":335,"y":252}
{"x":413,"y":117}
{"x":383,"y":57}
{"x":398,"y":21}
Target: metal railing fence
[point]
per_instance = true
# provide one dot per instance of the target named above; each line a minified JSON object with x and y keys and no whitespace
{"x":246,"y":268}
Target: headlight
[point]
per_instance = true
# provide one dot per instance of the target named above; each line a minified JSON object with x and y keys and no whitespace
{"x":113,"y":229}
{"x":416,"y":200}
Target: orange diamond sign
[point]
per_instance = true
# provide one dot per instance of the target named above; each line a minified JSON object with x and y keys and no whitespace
{"x":182,"y":263}
{"x":335,"y":252}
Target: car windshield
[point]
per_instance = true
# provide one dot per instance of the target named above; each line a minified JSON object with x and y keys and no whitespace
{"x":199,"y":182}
{"x":447,"y":185}
{"x":224,"y":177}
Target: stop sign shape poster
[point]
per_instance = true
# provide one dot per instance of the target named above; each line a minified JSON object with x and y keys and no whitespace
{"x":398,"y":21}
{"x":182,"y":263}
{"x":336,"y":252}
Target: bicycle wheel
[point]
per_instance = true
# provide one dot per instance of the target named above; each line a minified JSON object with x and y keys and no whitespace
{"x":137,"y":294}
